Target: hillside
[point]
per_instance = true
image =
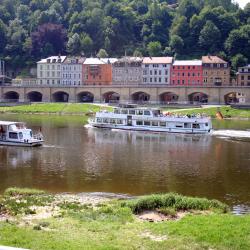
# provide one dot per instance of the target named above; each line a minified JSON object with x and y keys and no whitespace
{"x":31,"y":29}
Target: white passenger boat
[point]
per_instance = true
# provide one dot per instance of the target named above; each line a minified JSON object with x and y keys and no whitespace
{"x":130,"y":117}
{"x":16,"y":134}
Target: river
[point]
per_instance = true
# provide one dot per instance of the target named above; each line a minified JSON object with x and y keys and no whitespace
{"x":80,"y":159}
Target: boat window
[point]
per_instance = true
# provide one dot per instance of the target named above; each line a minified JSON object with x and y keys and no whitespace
{"x":146,"y":112}
{"x":206,"y":124}
{"x":154,"y":123}
{"x":119,"y":121}
{"x":105,"y":120}
{"x":139,"y":112}
{"x":13,"y":135}
{"x":163,"y":124}
{"x":132,"y":112}
{"x":99,"y":120}
{"x":196,"y":125}
{"x":179,"y":125}
{"x":146,"y":123}
{"x":112,"y":121}
{"x":117,"y":111}
{"x":124,"y":111}
{"x":139,"y":123}
{"x":187,"y":125}
{"x":156,"y":112}
{"x":20,"y":135}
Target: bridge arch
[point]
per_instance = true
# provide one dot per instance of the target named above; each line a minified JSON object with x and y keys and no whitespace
{"x":234,"y":97}
{"x":111,"y":97}
{"x":198,"y":97}
{"x":140,"y":97}
{"x":85,"y":96}
{"x":168,"y":97}
{"x":11,"y":96}
{"x":60,"y":96}
{"x":34,"y":96}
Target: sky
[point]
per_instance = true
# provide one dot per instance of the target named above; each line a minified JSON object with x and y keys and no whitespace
{"x":242,"y":3}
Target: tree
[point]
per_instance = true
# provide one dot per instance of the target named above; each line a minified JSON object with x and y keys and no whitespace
{"x":176,"y":44}
{"x":238,"y":61}
{"x":51,"y":34}
{"x":102,"y":53}
{"x":86,"y":43}
{"x":210,"y":37}
{"x":137,"y":53}
{"x":154,"y":48}
{"x":74,"y":45}
{"x":3,"y":38}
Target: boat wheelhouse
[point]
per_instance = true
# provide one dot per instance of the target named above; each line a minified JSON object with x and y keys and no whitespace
{"x":130,"y":117}
{"x":16,"y":134}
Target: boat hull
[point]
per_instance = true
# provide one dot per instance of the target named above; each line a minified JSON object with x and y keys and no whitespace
{"x":150,"y":129}
{"x":22,"y":144}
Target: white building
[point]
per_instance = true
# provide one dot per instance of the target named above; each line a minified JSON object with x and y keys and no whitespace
{"x":49,"y":70}
{"x":156,"y":70}
{"x":72,"y":71}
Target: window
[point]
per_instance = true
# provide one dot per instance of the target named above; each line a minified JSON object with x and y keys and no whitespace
{"x":146,"y":123}
{"x":139,"y":123}
{"x":113,"y":121}
{"x":119,"y":121}
{"x":179,"y":125}
{"x":124,"y":111}
{"x":99,"y":120}
{"x":159,"y":72}
{"x":20,"y":135}
{"x":196,"y":125}
{"x":13,"y":135}
{"x":105,"y":120}
{"x":139,"y":112}
{"x":187,"y":125}
{"x":154,"y":123}
{"x":163,"y":124}
{"x":146,"y":112}
{"x":132,"y":112}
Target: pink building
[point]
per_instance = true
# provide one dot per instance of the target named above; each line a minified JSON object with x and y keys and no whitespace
{"x":186,"y":73}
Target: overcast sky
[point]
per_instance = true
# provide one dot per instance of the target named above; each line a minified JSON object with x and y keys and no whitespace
{"x":242,"y":3}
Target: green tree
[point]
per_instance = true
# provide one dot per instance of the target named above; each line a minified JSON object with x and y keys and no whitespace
{"x":176,"y":44}
{"x":238,"y":61}
{"x":74,"y":45}
{"x":86,"y":43}
{"x":3,"y":38}
{"x":210,"y":37}
{"x":102,"y":53}
{"x":154,"y":48}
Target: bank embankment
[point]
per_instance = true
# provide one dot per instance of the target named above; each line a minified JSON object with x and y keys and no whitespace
{"x":34,"y":219}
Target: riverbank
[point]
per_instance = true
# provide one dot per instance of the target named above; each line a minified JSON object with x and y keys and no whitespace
{"x":36,"y":220}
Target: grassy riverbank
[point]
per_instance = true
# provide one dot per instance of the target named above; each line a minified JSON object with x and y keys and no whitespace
{"x":36,"y":220}
{"x":226,"y":111}
{"x":53,"y":108}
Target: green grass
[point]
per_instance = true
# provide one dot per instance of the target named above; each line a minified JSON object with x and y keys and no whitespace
{"x":226,"y":111}
{"x":14,"y":191}
{"x":54,"y":108}
{"x":112,"y":225}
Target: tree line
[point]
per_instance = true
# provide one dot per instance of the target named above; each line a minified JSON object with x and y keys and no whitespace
{"x":34,"y":29}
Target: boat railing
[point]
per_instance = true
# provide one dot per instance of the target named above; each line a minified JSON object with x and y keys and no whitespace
{"x":38,"y":136}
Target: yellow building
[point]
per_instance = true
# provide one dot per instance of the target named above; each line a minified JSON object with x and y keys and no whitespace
{"x":243,"y":76}
{"x":216,"y":72}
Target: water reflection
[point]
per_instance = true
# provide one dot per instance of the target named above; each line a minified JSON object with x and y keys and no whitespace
{"x":76,"y":159}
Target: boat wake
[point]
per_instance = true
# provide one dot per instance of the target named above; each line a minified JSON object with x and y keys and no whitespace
{"x":232,"y":133}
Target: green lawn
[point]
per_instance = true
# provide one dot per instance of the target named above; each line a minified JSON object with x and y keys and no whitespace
{"x":60,"y":108}
{"x":227,"y":112}
{"x":113,"y":225}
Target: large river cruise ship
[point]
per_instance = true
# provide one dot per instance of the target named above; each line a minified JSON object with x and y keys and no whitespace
{"x":128,"y":117}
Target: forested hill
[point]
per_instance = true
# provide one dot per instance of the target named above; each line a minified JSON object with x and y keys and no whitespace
{"x":32,"y":29}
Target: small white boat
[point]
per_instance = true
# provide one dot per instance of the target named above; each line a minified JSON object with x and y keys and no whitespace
{"x":130,"y":117}
{"x":16,"y":134}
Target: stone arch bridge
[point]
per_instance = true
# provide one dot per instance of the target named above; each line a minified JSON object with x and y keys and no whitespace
{"x":133,"y":94}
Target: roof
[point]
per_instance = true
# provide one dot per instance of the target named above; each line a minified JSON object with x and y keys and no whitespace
{"x":130,"y":59}
{"x":109,"y":60}
{"x":75,"y":59}
{"x":187,"y":62}
{"x":157,"y":60}
{"x":53,"y":58}
{"x":6,"y":123}
{"x":212,"y":59}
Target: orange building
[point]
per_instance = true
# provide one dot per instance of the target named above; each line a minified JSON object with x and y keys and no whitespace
{"x":97,"y":71}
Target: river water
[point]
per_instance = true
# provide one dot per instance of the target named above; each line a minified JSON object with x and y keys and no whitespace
{"x":80,"y":159}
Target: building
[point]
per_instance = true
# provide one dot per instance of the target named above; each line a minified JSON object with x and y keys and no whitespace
{"x":243,"y":76}
{"x":186,"y":73}
{"x":127,"y":71}
{"x":97,"y":71}
{"x":49,"y":70}
{"x":216,"y":71}
{"x":72,"y":69}
{"x":156,"y":70}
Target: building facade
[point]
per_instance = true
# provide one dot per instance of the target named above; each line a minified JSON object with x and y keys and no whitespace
{"x":97,"y":71}
{"x":186,"y":73}
{"x":49,"y":70}
{"x":216,"y":72}
{"x":156,"y":70}
{"x":243,"y":76}
{"x":72,"y":69}
{"x":127,"y":71}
